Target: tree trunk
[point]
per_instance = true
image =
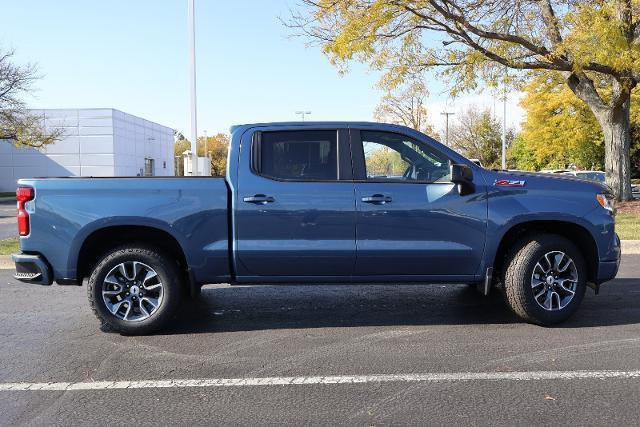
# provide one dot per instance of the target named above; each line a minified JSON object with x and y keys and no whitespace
{"x":616,"y":127}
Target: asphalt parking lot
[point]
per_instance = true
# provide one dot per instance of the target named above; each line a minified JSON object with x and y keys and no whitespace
{"x":445,"y":351}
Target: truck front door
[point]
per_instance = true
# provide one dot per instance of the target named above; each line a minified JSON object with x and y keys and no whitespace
{"x":294,"y":207}
{"x":411,"y":220}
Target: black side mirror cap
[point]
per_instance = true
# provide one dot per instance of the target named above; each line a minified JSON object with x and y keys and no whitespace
{"x":462,"y":176}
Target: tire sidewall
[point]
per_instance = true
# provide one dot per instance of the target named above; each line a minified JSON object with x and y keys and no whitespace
{"x":167,"y":274}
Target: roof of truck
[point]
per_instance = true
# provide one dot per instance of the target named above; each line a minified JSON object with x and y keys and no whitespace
{"x":317,"y":123}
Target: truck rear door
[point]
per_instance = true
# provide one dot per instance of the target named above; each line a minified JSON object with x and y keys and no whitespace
{"x":294,"y":208}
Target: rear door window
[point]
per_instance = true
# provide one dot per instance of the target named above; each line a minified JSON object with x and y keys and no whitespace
{"x":310,"y":155}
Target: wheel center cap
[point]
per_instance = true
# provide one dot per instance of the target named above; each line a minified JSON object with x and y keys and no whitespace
{"x":550,"y":280}
{"x":135,"y":290}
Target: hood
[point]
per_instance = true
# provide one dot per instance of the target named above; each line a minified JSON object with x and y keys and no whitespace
{"x":547,"y":180}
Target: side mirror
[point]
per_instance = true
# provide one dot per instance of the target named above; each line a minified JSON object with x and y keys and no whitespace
{"x":462,"y":175}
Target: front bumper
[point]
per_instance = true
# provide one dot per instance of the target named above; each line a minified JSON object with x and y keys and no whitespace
{"x":32,"y":269}
{"x":607,"y":270}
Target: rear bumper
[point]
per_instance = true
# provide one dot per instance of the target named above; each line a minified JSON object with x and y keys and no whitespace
{"x":32,"y":269}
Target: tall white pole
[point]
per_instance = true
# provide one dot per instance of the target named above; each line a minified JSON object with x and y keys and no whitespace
{"x":504,"y":131}
{"x":504,"y":123}
{"x":192,"y":77}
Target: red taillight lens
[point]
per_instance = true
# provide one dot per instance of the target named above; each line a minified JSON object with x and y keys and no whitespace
{"x":23,"y":195}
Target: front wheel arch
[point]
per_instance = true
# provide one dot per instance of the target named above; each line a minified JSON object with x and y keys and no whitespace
{"x":571,"y":231}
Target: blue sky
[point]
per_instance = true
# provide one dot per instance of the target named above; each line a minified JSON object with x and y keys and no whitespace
{"x":133,"y":55}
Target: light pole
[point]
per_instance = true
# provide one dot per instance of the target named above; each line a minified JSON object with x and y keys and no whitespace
{"x":504,"y":132}
{"x":303,"y":113}
{"x":504,"y":122}
{"x":446,"y":114}
{"x":192,"y":79}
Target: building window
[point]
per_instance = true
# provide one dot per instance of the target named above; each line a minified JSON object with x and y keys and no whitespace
{"x":148,"y":167}
{"x":164,"y":165}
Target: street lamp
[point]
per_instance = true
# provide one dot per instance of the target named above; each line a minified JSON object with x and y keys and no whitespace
{"x":446,"y":114}
{"x":303,"y":113}
{"x":192,"y":80}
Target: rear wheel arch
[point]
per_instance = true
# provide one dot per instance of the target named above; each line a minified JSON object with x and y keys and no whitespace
{"x":576,"y":233}
{"x":100,"y":241}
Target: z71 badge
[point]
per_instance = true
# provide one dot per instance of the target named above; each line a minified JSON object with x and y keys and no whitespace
{"x":509,"y":183}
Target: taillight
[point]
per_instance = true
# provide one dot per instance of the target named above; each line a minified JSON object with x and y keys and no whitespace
{"x":23,"y":195}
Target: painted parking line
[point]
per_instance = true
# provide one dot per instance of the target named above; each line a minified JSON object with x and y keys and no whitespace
{"x":311,"y":380}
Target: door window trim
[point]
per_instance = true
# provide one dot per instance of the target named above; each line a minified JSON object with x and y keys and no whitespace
{"x":343,"y":156}
{"x":359,"y":163}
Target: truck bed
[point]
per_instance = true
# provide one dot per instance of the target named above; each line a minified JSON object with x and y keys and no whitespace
{"x":193,"y":211}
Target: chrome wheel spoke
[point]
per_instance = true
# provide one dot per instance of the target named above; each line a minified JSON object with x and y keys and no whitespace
{"x":152,"y":287}
{"x":535,"y":282}
{"x":547,"y":300}
{"x":541,"y":268}
{"x":129,"y":306}
{"x":115,"y":307}
{"x":148,"y":276}
{"x":566,"y":289}
{"x":152,"y":301}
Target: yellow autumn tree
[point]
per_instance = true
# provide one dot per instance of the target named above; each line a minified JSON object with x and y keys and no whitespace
{"x":587,"y":44}
{"x":559,"y":129}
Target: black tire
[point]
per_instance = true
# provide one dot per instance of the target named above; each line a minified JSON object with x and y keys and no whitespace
{"x":519,"y":269}
{"x":168,"y":274}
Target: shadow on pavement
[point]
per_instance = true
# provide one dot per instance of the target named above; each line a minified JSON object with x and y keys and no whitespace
{"x":247,"y":308}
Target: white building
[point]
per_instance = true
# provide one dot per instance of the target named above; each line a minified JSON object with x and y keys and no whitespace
{"x":95,"y":142}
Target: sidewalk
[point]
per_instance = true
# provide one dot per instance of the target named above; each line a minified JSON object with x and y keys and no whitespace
{"x":629,"y":247}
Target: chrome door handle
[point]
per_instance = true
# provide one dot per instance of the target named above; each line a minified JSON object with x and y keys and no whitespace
{"x":259,"y":199}
{"x":378,"y":199}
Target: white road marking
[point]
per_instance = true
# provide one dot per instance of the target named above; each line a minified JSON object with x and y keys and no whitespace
{"x":338,"y":379}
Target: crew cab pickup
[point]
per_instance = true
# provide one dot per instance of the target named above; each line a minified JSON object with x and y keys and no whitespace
{"x":315,"y":203}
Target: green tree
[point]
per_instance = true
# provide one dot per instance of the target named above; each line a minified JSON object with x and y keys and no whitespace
{"x":215,"y":147}
{"x":588,"y":44}
{"x":181,"y":144}
{"x":561,"y":131}
{"x":521,"y":156}
{"x":17,"y":124}
{"x":478,"y":135}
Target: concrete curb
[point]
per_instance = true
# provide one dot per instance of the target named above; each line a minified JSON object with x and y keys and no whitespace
{"x":629,"y":247}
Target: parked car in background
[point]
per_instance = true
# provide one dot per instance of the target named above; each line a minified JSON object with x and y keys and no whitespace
{"x":556,"y":171}
{"x":316,"y":203}
{"x":597,"y":176}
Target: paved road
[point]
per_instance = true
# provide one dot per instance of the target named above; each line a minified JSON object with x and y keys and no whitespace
{"x":8,"y":225}
{"x":49,"y":334}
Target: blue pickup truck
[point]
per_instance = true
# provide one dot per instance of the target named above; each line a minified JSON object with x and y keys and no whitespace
{"x":316,"y":203}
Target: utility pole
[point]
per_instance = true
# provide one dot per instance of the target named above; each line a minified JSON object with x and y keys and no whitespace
{"x":446,"y":114}
{"x":504,"y":123}
{"x":504,"y":132}
{"x":192,"y":80}
{"x":303,"y":113}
